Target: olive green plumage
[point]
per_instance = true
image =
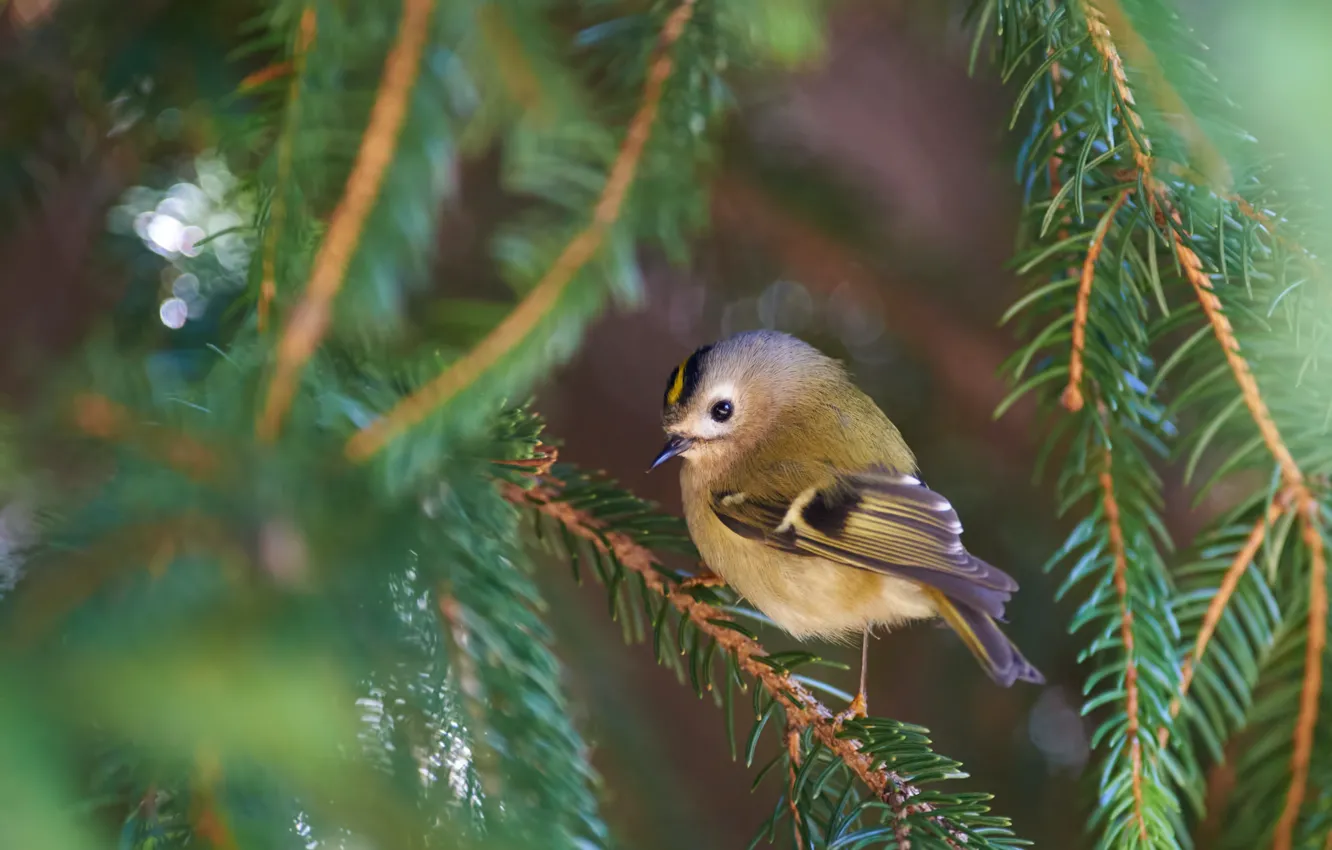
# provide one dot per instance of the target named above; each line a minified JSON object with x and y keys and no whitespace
{"x":803,"y":496}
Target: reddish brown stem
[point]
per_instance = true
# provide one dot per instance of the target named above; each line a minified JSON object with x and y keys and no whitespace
{"x":1217,"y":607}
{"x":268,"y":286}
{"x":1117,"y":549}
{"x":310,"y":319}
{"x":1072,"y":398}
{"x":521,"y":323}
{"x":1307,"y":719}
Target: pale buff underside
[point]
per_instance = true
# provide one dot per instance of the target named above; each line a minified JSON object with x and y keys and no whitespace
{"x":836,"y":604}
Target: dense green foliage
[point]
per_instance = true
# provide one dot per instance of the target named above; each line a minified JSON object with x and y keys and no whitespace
{"x":225,"y":640}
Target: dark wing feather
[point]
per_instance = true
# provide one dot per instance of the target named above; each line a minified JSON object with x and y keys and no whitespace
{"x":877,"y":520}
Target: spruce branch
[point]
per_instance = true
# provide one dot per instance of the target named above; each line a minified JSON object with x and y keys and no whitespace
{"x":1316,"y":642}
{"x":1072,"y":397}
{"x":546,"y":295}
{"x":277,"y":213}
{"x":1294,"y":479}
{"x":806,"y":718}
{"x":312,"y":314}
{"x":1117,"y":550}
{"x":100,"y":417}
{"x":1217,"y":607}
{"x":803,"y":710}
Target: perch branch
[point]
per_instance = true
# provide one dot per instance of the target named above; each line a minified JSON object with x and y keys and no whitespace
{"x":1111,"y":507}
{"x":1217,"y":607}
{"x":1072,"y":398}
{"x":519,"y":324}
{"x":268,"y":287}
{"x":803,"y":710}
{"x":311,"y":317}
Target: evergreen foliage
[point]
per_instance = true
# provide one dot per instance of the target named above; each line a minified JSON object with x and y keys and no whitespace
{"x":280,"y":598}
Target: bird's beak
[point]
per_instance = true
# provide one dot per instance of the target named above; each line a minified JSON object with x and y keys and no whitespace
{"x":678,"y":444}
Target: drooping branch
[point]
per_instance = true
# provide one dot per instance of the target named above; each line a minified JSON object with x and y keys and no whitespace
{"x":1111,"y":507}
{"x":310,"y":318}
{"x":1217,"y":607}
{"x":1293,"y":478}
{"x":268,"y":286}
{"x":544,"y":297}
{"x":1072,"y":398}
{"x":1315,"y":643}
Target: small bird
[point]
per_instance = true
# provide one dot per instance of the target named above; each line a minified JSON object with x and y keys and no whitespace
{"x":803,"y":497}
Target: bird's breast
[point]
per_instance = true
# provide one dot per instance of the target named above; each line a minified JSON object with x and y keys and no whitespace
{"x":807,"y":597}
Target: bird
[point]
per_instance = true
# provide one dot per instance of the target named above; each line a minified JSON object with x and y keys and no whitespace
{"x":803,"y":497}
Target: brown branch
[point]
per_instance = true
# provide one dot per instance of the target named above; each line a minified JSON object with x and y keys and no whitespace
{"x":310,"y":319}
{"x":1072,"y":397}
{"x":98,"y":416}
{"x":469,"y":685}
{"x":264,"y":75}
{"x":1206,"y":165}
{"x":268,"y":286}
{"x":1103,"y":41}
{"x":803,"y":711}
{"x":1239,"y":367}
{"x":1307,"y":719}
{"x":1217,"y":607}
{"x":519,"y":324}
{"x":1292,"y":476}
{"x":793,"y":753}
{"x":1111,"y":507}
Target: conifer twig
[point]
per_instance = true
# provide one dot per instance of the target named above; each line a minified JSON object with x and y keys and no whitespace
{"x":264,"y":75}
{"x":310,"y":318}
{"x":542,"y":299}
{"x":803,"y":711}
{"x":268,"y":287}
{"x":1117,"y":549}
{"x":1315,"y":643}
{"x":1072,"y":397}
{"x":793,"y":753}
{"x":1292,"y":476}
{"x":1217,"y":607}
{"x":99,"y":416}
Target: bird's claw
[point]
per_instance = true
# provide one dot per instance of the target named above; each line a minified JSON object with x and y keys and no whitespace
{"x":855,"y":711}
{"x":705,"y":580}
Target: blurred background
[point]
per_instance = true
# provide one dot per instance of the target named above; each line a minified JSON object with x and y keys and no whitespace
{"x":866,"y":204}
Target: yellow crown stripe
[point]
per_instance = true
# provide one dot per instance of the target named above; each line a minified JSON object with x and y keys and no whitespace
{"x":677,"y":386}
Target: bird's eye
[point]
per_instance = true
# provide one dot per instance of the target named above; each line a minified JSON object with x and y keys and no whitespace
{"x":721,"y":411}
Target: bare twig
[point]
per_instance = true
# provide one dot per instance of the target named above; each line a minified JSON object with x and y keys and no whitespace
{"x":309,"y":320}
{"x":268,"y":287}
{"x":1217,"y":607}
{"x":1111,"y":507}
{"x":1072,"y":398}
{"x":543,"y":298}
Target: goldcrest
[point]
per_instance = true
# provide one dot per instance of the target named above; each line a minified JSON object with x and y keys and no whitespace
{"x":802,"y":496}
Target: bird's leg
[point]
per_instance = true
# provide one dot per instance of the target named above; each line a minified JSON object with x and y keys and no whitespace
{"x":859,"y":706}
{"x":707,"y":578}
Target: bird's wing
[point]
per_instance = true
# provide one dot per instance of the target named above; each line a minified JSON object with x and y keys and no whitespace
{"x":875,"y":520}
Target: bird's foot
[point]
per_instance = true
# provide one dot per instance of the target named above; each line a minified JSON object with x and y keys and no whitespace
{"x":704,"y":580}
{"x":855,"y":711}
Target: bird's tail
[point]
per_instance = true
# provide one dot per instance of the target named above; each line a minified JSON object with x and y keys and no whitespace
{"x":992,"y":648}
